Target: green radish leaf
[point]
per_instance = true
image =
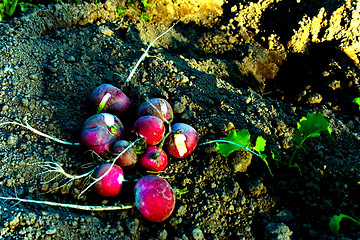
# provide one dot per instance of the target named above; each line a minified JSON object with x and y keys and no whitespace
{"x":276,"y":156}
{"x":239,"y":138}
{"x":260,"y":144}
{"x":334,"y":223}
{"x":298,"y":137}
{"x":313,"y":124}
{"x":180,"y":192}
{"x":146,"y":4}
{"x":357,"y":101}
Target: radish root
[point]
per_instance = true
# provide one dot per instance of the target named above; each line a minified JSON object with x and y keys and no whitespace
{"x":27,"y":126}
{"x":67,"y":205}
{"x":146,"y":52}
{"x":53,"y":167}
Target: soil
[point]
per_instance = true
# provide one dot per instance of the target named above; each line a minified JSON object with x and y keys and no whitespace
{"x":257,"y":65}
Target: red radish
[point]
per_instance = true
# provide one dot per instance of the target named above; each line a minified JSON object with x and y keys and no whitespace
{"x":128,"y":158}
{"x":151,"y":128}
{"x":154,"y":198}
{"x":154,"y":159}
{"x":101,"y":131}
{"x":157,"y":107}
{"x":111,"y":183}
{"x":182,"y":140}
{"x":108,"y":98}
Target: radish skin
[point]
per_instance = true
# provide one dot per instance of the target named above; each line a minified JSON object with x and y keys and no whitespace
{"x":151,"y":128}
{"x":157,"y":107}
{"x":154,"y":198}
{"x":110,"y":185}
{"x":128,"y":158}
{"x":101,"y":131}
{"x":154,"y":159}
{"x":108,"y":98}
{"x":182,"y":140}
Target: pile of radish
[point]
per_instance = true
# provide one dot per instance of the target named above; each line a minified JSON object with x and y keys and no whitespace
{"x":103,"y":134}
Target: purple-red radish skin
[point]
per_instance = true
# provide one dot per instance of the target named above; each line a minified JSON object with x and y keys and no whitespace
{"x":154,"y":198}
{"x":157,"y":107}
{"x":153,"y":162}
{"x":128,"y":158}
{"x":117,"y":103}
{"x":151,"y":128}
{"x":97,"y":133}
{"x":182,"y":140}
{"x":110,"y":185}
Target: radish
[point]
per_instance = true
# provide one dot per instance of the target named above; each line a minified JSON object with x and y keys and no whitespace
{"x":128,"y":158}
{"x":182,"y":140}
{"x":154,"y":198}
{"x":154,"y":159}
{"x":101,"y":131}
{"x":110,"y":184}
{"x":151,"y":128}
{"x":108,"y":98}
{"x":157,"y":107}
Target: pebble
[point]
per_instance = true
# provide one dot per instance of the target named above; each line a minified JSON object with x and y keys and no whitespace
{"x":179,"y":108}
{"x":50,"y":231}
{"x":132,"y":225}
{"x":70,"y":59}
{"x":197,"y":234}
{"x":278,"y":231}
{"x":5,"y":108}
{"x":12,"y":140}
{"x":106,"y":31}
{"x":162,"y":235}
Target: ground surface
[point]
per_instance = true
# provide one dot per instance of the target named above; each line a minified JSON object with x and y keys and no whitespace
{"x":257,"y":65}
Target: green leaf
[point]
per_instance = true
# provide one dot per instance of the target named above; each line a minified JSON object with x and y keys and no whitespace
{"x":357,"y":101}
{"x":260,"y":144}
{"x":334,"y":223}
{"x":313,"y":124}
{"x":12,"y":7}
{"x":240,"y":138}
{"x":298,"y":137}
{"x":276,"y":156}
{"x":26,"y":6}
{"x":179,"y":192}
{"x":146,"y":4}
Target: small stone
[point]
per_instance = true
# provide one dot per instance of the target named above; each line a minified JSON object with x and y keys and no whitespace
{"x":106,"y":31}
{"x":315,"y":98}
{"x":179,"y":108}
{"x":12,"y":140}
{"x":278,"y":231}
{"x":162,"y":235}
{"x":132,"y":226}
{"x":34,"y":77}
{"x":70,"y":59}
{"x":197,"y":234}
{"x":184,"y":79}
{"x":50,"y":231}
{"x":241,"y":160}
{"x":5,"y":108}
{"x":334,"y":85}
{"x":25,"y":102}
